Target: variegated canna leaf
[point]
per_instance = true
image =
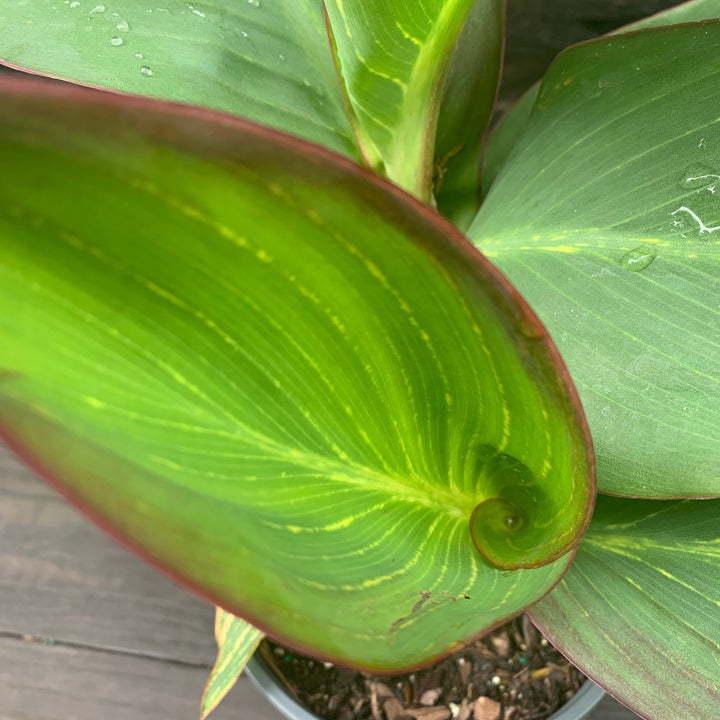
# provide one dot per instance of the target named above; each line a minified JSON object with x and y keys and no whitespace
{"x":298,"y":390}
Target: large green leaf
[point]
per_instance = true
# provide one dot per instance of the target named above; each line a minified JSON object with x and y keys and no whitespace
{"x":279,"y":377}
{"x":513,"y":124}
{"x":605,"y":218}
{"x":639,"y":609}
{"x":393,"y":59}
{"x":266,"y":60}
{"x":237,"y":641}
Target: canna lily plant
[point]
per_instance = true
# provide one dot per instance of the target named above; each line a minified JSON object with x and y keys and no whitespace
{"x":257,"y":321}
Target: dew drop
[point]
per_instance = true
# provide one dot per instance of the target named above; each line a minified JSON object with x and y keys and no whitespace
{"x":254,"y":3}
{"x":513,"y":522}
{"x":138,"y":56}
{"x":146,"y":71}
{"x":74,"y":4}
{"x":244,"y":34}
{"x":98,"y":9}
{"x":116,"y":41}
{"x":638,"y":258}
{"x":122,"y":26}
{"x":281,"y":57}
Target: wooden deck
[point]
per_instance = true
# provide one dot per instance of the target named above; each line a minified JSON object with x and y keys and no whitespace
{"x":88,"y":632}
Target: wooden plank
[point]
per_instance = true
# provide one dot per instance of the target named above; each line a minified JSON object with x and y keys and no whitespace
{"x":62,"y":578}
{"x":38,"y":682}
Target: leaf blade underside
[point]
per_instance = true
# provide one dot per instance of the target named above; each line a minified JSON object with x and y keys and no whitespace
{"x":278,"y":377}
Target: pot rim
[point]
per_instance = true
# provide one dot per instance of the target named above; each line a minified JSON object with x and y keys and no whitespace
{"x":584,"y":700}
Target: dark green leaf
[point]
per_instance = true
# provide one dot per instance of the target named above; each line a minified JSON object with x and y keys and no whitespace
{"x":504,"y":137}
{"x":639,"y":609}
{"x":467,"y":104}
{"x":513,"y":124}
{"x":606,"y":218}
{"x":265,"y":60}
{"x":279,"y":377}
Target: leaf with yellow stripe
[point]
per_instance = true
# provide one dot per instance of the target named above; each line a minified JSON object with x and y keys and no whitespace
{"x":639,"y":609}
{"x":298,"y":390}
{"x":514,"y":122}
{"x":237,"y":640}
{"x":606,"y":217}
{"x":393,"y":60}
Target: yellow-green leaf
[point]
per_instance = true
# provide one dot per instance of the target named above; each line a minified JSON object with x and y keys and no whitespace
{"x":393,"y":59}
{"x":237,"y":640}
{"x":279,"y":377}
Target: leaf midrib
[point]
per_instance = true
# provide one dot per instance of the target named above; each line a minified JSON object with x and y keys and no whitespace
{"x":419,"y":491}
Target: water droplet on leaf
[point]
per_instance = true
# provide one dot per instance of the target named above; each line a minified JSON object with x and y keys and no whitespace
{"x":116,"y":41}
{"x":74,"y":4}
{"x":122,"y":26}
{"x":699,"y":176}
{"x":254,"y":3}
{"x":638,"y":258}
{"x":513,"y":521}
{"x":98,"y":9}
{"x":138,"y":56}
{"x":146,"y":71}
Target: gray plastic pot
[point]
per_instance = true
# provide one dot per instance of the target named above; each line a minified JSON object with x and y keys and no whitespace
{"x":264,"y":679}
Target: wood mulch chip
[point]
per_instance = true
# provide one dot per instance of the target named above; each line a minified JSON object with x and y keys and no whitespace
{"x":512,"y":673}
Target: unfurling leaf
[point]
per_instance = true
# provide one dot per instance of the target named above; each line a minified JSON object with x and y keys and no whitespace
{"x":279,"y":377}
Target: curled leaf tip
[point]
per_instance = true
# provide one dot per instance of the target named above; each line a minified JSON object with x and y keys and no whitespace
{"x":516,"y":525}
